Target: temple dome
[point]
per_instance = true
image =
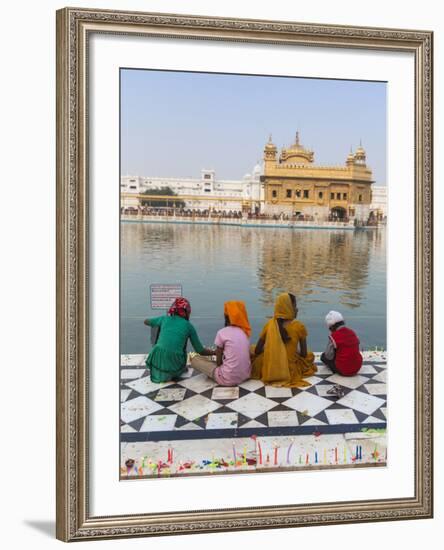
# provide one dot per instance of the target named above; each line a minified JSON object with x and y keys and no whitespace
{"x":360,"y":156}
{"x":296,"y":153}
{"x":270,"y":145}
{"x":360,"y":151}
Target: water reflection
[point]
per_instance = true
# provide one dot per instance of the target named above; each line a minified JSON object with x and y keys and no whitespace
{"x":316,"y":263}
{"x":325,"y":269}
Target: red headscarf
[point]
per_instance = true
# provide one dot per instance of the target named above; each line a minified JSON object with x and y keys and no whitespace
{"x":181,"y":306}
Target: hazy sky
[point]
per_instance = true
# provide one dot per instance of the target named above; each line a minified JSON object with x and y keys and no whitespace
{"x":176,"y":123}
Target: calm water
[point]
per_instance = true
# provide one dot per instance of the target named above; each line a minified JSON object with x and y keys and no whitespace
{"x":325,"y":269}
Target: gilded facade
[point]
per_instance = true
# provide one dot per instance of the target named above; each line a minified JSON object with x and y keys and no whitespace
{"x":295,"y":185}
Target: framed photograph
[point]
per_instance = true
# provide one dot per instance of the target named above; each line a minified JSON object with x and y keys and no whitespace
{"x":244,"y":274}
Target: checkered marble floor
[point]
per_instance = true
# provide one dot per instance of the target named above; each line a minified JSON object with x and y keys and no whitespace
{"x":195,"y":407}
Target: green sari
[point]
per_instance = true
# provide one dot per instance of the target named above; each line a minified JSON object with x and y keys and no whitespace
{"x":167,"y":360}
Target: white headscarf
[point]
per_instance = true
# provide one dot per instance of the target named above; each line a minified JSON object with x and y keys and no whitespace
{"x":332,"y":318}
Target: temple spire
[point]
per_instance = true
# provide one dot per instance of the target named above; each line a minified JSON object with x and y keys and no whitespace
{"x":297,"y":137}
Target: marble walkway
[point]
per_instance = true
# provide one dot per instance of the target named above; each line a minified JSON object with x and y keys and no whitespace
{"x":195,"y":407}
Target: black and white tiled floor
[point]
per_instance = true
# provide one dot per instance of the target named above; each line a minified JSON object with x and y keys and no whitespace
{"x":195,"y":407}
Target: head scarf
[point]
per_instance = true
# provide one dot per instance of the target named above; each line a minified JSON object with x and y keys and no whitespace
{"x":333,"y":317}
{"x":283,"y":307}
{"x":237,"y":315}
{"x":181,"y":306}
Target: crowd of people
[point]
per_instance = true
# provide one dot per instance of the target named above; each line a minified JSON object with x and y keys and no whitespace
{"x":230,"y":214}
{"x":194,"y":213}
{"x":181,"y":212}
{"x":281,"y":356}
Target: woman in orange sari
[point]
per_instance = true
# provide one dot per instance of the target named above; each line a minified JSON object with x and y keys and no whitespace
{"x":280,"y":357}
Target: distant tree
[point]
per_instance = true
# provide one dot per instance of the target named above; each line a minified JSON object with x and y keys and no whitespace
{"x":163,"y":191}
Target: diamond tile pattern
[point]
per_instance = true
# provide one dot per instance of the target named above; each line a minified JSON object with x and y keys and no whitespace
{"x":221,"y":420}
{"x":164,"y":423}
{"x":307,"y":403}
{"x":348,"y":381}
{"x":143,"y":385}
{"x":194,"y":407}
{"x":362,"y":402}
{"x":139,"y":407}
{"x":381,"y":377}
{"x":198,"y":383}
{"x":341,"y":416}
{"x":252,"y":405}
{"x":196,"y":402}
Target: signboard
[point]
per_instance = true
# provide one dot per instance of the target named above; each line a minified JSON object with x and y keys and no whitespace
{"x":163,"y":295}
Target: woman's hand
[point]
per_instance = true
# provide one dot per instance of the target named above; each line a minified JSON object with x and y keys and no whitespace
{"x":208,"y":352}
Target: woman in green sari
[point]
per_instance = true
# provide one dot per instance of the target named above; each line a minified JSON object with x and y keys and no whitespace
{"x":167,"y":360}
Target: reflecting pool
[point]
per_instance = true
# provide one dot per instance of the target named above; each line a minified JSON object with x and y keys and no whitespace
{"x":326,"y":269}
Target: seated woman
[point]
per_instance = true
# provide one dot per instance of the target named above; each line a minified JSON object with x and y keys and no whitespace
{"x":167,"y":360}
{"x":280,"y":357}
{"x":232,"y":364}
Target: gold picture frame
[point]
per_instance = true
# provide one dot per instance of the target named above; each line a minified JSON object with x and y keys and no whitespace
{"x":74,"y":26}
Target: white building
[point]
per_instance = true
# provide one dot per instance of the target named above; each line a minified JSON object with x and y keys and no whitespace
{"x":379,"y":201}
{"x":225,"y":194}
